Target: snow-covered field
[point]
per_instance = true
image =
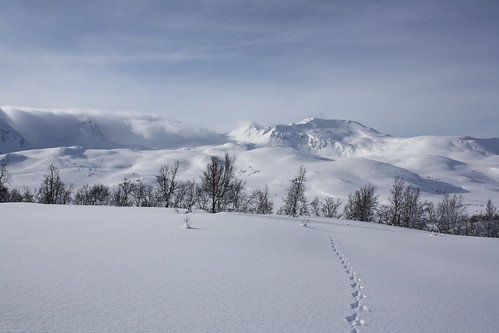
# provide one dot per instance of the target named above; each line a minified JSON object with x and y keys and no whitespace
{"x":108,"y":269}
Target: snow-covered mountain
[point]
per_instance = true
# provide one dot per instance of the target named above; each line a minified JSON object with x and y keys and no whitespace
{"x":27,"y":128}
{"x":318,"y":136}
{"x":340,"y":155}
{"x":10,"y":139}
{"x":340,"y":138}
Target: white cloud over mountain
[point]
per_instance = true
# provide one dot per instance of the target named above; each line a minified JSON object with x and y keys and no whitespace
{"x":44,"y":128}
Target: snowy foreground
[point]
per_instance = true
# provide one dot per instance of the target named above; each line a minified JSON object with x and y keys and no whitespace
{"x":107,"y":269}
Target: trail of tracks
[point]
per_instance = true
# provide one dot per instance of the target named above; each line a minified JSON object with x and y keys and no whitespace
{"x":356,"y":318}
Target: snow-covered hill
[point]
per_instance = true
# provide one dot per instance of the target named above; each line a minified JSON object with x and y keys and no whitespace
{"x":108,"y":269}
{"x":340,"y":156}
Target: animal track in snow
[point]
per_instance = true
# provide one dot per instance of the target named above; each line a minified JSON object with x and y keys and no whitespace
{"x":355,"y":320}
{"x":355,"y":285}
{"x":358,"y":306}
{"x":357,"y":294}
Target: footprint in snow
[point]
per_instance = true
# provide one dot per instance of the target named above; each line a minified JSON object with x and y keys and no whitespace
{"x":357,"y":294}
{"x":355,"y":320}
{"x":357,"y":306}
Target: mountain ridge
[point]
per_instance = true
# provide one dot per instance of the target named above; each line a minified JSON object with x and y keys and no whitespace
{"x":325,"y":137}
{"x":26,"y":128}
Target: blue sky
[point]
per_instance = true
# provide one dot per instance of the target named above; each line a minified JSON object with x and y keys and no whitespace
{"x":403,"y":67}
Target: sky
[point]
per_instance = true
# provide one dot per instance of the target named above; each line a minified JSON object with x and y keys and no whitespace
{"x":405,"y":68}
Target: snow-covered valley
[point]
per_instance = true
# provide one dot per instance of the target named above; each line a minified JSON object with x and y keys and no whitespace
{"x":108,"y":269}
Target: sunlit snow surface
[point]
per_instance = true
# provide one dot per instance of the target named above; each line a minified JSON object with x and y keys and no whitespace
{"x":107,"y":269}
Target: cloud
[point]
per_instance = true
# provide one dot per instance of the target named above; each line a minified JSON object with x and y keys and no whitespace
{"x":65,"y":127}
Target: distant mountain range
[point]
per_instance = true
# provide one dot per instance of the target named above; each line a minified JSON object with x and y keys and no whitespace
{"x":328,"y":137}
{"x":25,"y":128}
{"x":341,"y":155}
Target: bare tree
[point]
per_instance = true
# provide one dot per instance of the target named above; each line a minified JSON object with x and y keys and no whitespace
{"x":315,"y":207}
{"x":362,"y":204}
{"x":82,"y":196}
{"x":15,"y":196}
{"x":330,"y":207}
{"x":264,"y":201}
{"x":412,"y":209}
{"x":95,"y":195}
{"x":167,"y":183}
{"x":451,"y":214}
{"x":396,"y":200}
{"x":203,"y":199}
{"x":122,"y":195}
{"x":492,"y":220}
{"x":212,"y":182}
{"x":29,"y":195}
{"x":260,"y":202}
{"x":490,"y":211}
{"x":187,"y":195}
{"x":429,"y":216}
{"x":5,"y":180}
{"x":295,"y":203}
{"x":143,"y":195}
{"x":53,"y":190}
{"x":99,"y":195}
{"x":485,"y":224}
{"x":237,"y":200}
{"x":217,"y":180}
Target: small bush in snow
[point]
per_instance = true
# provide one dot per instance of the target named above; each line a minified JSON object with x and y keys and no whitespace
{"x":187,"y":222}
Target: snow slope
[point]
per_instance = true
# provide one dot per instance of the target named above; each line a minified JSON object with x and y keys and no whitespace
{"x":477,"y":180}
{"x":108,"y":269}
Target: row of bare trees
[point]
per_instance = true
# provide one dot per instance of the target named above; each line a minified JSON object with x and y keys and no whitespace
{"x":405,"y":208}
{"x":220,"y":190}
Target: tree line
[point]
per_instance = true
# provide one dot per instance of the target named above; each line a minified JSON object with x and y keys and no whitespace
{"x":218,"y":189}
